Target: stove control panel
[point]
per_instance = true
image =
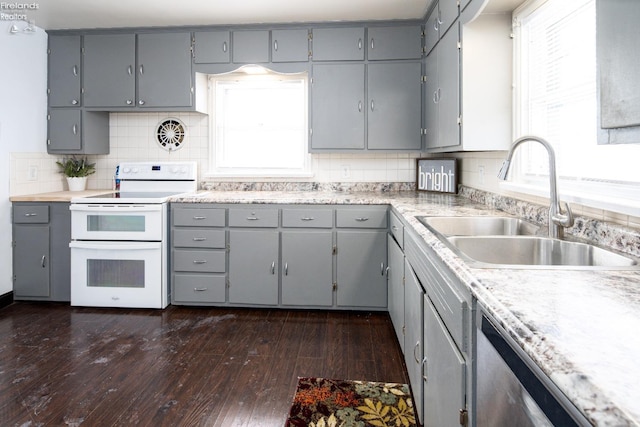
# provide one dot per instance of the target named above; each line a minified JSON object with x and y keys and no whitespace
{"x":154,"y":171}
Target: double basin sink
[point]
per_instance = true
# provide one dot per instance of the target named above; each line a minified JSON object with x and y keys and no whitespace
{"x":505,"y":242}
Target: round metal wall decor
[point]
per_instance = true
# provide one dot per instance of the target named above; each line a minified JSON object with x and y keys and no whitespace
{"x":170,"y":134}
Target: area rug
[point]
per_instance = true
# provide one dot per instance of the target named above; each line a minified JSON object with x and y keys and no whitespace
{"x":321,"y":402}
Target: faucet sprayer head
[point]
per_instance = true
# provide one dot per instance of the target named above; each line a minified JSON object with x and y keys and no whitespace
{"x":502,"y":175}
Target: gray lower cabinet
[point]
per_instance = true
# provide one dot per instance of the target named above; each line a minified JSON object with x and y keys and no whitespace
{"x":414,"y":340}
{"x":307,"y":272}
{"x":41,"y":255}
{"x":65,"y":80}
{"x":395,"y":294}
{"x":77,"y":131}
{"x":253,"y":267}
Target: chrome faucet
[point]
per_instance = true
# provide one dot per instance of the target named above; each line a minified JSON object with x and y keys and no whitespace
{"x":557,"y":220}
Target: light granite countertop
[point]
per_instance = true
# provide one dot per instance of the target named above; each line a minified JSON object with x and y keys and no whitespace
{"x":580,"y":327}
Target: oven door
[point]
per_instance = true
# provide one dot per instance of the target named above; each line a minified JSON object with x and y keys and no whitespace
{"x":118,"y":274}
{"x":117,"y":222}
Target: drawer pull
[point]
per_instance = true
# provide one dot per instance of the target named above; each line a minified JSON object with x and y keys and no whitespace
{"x":199,"y":239}
{"x":307,"y":218}
{"x":199,"y":261}
{"x":362,"y":219}
{"x":199,"y":218}
{"x":30,"y":214}
{"x":252,"y":218}
{"x":200,"y":289}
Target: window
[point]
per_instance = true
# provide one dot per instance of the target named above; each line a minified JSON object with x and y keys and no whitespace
{"x":555,"y":98}
{"x":259,"y":124}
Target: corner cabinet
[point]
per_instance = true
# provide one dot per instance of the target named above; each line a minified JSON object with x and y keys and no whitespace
{"x":41,"y":255}
{"x":315,"y":256}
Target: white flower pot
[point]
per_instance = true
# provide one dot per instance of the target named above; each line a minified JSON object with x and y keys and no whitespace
{"x":77,"y":183}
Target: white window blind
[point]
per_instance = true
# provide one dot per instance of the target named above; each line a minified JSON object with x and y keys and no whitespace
{"x":555,"y":98}
{"x":259,"y":125}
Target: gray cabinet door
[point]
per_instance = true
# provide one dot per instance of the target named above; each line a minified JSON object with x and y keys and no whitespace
{"x":109,"y":70}
{"x":414,"y":348}
{"x":361,"y":264}
{"x":431,"y":30}
{"x":60,"y":232}
{"x":444,"y":372}
{"x":253,"y":267}
{"x":337,"y":106}
{"x":448,"y":13}
{"x":31,"y":261}
{"x":290,"y":45}
{"x":338,"y":44}
{"x":307,"y":268}
{"x":431,"y":99}
{"x":394,"y":116}
{"x":65,"y":129}
{"x":250,"y":47}
{"x":402,"y":42}
{"x":64,"y":71}
{"x":212,"y":47}
{"x":395,"y":294}
{"x":449,"y":89}
{"x":164,"y":70}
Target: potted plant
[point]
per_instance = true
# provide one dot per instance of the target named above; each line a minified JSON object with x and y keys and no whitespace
{"x":76,"y":170}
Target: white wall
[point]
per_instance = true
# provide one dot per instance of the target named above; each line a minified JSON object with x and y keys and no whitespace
{"x":23,"y":124}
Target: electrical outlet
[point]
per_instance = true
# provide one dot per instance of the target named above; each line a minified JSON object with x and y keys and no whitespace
{"x":346,"y":171}
{"x":481,"y":174}
{"x":32,"y":174}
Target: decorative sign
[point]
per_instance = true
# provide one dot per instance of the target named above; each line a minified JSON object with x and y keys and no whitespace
{"x":440,"y":175}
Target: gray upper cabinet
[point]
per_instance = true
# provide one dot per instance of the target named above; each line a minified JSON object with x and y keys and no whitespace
{"x":77,"y":131}
{"x":440,"y":19}
{"x":388,"y":43}
{"x":109,"y":70}
{"x":212,"y":47}
{"x":290,"y":45}
{"x":393,"y":116}
{"x":337,"y":106}
{"x":65,"y":82}
{"x":164,"y":70}
{"x":250,"y":46}
{"x":338,"y":44}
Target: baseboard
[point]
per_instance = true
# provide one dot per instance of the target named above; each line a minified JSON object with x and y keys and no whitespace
{"x":6,"y":299}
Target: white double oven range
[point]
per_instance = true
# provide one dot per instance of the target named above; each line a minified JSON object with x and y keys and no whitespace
{"x":119,"y":240}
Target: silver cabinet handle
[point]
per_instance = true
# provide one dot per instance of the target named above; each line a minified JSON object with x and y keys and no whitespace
{"x":74,"y":69}
{"x":273,"y":267}
{"x":286,"y":268}
{"x":74,"y":102}
{"x":359,"y":44}
{"x":198,"y":218}
{"x":372,"y":105}
{"x":307,"y":218}
{"x":141,"y":69}
{"x":199,"y":261}
{"x":200,"y":289}
{"x":416,"y":347}
{"x":362,"y":219}
{"x":252,"y":218}
{"x":199,"y":239}
{"x":141,"y":102}
{"x":440,"y":17}
{"x":424,"y":369}
{"x":224,"y":47}
{"x":130,"y":70}
{"x":29,"y":214}
{"x":275,"y":45}
{"x":386,"y":271}
{"x":129,"y":101}
{"x":74,"y":129}
{"x":359,"y":106}
{"x":44,"y":257}
{"x":382,"y":268}
{"x":435,"y":24}
{"x":371,"y":42}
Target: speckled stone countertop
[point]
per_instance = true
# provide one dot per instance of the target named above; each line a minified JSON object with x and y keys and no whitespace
{"x":580,"y":327}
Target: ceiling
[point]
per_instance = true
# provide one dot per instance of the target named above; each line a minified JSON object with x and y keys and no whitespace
{"x":85,"y":14}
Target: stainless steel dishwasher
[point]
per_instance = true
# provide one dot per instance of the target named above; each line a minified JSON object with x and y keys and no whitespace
{"x":511,"y":390}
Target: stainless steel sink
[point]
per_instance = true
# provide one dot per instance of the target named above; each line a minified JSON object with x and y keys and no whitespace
{"x":478,"y":225}
{"x":532,"y":251}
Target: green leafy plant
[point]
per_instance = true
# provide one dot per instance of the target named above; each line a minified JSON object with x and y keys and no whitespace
{"x":76,"y":167}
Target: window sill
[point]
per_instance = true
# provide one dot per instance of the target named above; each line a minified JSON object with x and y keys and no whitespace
{"x":606,"y":196}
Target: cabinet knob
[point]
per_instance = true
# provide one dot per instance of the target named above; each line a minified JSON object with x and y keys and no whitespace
{"x":74,"y":102}
{"x":141,"y":102}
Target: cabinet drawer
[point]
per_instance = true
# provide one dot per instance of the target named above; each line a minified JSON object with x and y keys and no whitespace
{"x":199,"y":217}
{"x":30,"y":214}
{"x":307,"y":218}
{"x":248,"y":217}
{"x":199,"y":288}
{"x":362,"y":218}
{"x":199,"y":238}
{"x":397,"y":229}
{"x":199,"y":261}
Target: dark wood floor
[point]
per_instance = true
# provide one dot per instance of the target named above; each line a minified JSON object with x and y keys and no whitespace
{"x":68,"y":366}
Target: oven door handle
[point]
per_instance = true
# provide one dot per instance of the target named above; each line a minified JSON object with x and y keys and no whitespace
{"x":129,"y":246}
{"x":115,"y":208}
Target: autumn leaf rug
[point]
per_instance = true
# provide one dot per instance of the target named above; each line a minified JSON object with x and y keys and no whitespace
{"x":321,"y":402}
